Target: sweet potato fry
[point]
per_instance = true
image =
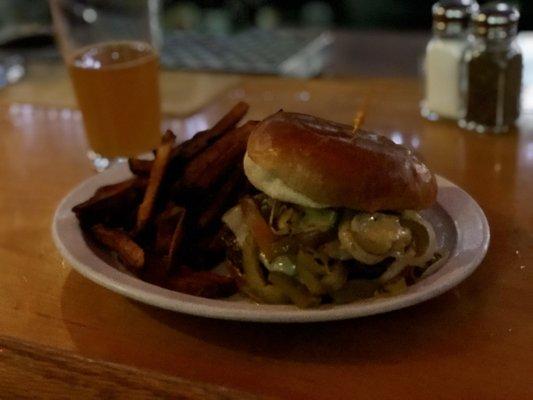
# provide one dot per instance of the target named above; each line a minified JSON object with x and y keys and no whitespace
{"x":144,"y":222}
{"x":168,"y":137}
{"x":208,"y":167}
{"x":156,"y":176}
{"x":232,"y":117}
{"x":222,"y":199}
{"x":140,"y":167}
{"x":204,"y":284}
{"x":155,"y":270}
{"x":108,"y":191}
{"x":165,"y":225}
{"x":175,"y":243}
{"x":202,"y":249}
{"x":127,"y":250}
{"x":199,"y":142}
{"x":112,"y":204}
{"x":169,"y":234}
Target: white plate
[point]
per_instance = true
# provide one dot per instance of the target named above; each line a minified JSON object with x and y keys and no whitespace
{"x":461,"y":227}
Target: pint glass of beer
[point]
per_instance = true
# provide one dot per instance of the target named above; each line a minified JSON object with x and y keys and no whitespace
{"x":110,"y":50}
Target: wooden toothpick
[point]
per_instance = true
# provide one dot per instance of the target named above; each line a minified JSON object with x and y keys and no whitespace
{"x":360,"y":115}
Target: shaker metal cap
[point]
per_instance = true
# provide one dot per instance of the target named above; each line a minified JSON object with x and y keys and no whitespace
{"x":453,"y":10}
{"x":496,"y":14}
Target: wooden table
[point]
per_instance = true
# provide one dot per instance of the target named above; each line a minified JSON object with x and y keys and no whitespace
{"x":474,"y":342}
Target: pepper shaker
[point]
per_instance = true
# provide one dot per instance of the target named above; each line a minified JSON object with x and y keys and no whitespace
{"x":492,"y":70}
{"x":443,"y":58}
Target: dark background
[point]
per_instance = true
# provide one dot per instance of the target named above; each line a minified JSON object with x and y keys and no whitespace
{"x":233,"y":15}
{"x":363,"y":14}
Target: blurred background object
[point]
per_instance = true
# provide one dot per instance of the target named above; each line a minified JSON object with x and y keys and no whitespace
{"x":208,"y":34}
{"x":24,"y":19}
{"x":12,"y":69}
{"x":343,"y":14}
{"x":19,"y":18}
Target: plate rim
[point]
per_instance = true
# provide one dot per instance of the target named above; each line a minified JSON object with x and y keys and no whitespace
{"x":134,"y":288}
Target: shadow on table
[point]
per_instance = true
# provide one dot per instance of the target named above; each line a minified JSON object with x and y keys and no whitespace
{"x":439,"y":327}
{"x":389,"y":337}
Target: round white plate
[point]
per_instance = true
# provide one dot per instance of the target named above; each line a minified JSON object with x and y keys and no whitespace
{"x":461,"y":227}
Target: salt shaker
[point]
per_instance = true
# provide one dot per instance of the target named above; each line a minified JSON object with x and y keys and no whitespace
{"x":492,"y":70}
{"x":443,"y":58}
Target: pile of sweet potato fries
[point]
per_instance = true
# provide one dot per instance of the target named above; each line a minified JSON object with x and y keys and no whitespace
{"x":164,"y":224}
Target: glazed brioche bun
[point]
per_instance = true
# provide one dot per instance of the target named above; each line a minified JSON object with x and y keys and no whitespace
{"x":313,"y":162}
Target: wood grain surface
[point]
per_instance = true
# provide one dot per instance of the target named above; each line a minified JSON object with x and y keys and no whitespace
{"x":473,"y":342}
{"x":28,"y":371}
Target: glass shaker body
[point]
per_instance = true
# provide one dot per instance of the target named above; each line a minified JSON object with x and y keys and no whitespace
{"x":442,"y":66}
{"x":492,"y":71}
{"x":442,"y":74}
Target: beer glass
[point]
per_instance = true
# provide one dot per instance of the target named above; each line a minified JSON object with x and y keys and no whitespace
{"x":110,"y":50}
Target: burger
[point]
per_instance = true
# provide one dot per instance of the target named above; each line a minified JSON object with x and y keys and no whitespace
{"x":335,"y":216}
